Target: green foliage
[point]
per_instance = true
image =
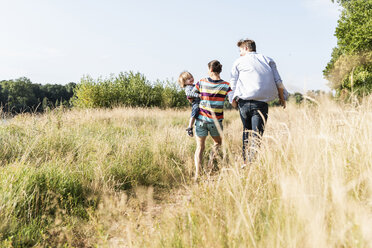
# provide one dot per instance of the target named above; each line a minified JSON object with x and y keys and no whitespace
{"x":350,"y":68}
{"x":296,"y":97}
{"x":340,"y":1}
{"x":226,"y":104}
{"x":274,"y":103}
{"x":172,"y":96}
{"x":127,"y":89}
{"x":55,"y":93}
{"x":21,"y":95}
{"x":18,"y":94}
{"x":354,"y":27}
{"x":32,"y":198}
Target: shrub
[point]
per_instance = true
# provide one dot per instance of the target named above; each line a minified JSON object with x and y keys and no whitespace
{"x":127,"y":89}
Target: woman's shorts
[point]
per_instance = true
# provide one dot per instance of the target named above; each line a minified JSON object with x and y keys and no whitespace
{"x":202,"y":128}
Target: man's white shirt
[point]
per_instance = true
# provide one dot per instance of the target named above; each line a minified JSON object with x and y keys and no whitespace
{"x":255,"y":77}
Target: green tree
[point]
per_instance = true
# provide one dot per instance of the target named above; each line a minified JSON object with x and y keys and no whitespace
{"x":18,"y":95}
{"x":350,"y":67}
{"x":341,"y":1}
{"x":22,"y":95}
{"x":57,"y":92}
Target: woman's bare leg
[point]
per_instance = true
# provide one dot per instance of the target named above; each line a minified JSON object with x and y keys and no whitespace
{"x":217,"y":141}
{"x":216,"y":147}
{"x":200,"y":146}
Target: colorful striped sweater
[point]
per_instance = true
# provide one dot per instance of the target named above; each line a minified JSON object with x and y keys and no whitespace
{"x":212,"y":98}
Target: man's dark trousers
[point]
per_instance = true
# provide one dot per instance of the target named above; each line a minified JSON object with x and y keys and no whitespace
{"x":254,"y":116}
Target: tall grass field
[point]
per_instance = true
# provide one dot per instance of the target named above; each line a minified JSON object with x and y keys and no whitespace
{"x":123,"y":178}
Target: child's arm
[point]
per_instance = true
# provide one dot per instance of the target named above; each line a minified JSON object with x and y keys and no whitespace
{"x":192,"y":92}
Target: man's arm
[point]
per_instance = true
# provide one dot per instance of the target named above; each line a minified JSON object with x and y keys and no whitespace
{"x":281,"y":97}
{"x":278,"y":82}
{"x":233,"y":81}
{"x":230,"y":94}
{"x":277,"y":78}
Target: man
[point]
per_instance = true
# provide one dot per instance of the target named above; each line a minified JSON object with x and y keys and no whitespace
{"x":254,"y":82}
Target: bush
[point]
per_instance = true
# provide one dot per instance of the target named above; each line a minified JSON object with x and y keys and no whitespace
{"x":127,"y":89}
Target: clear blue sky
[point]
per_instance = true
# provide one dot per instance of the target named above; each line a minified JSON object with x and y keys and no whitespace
{"x":59,"y":41}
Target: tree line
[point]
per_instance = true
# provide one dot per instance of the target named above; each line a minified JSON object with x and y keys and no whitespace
{"x":126,"y":89}
{"x":21,"y":95}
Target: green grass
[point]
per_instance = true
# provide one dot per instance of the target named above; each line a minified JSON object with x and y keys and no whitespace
{"x":64,"y":162}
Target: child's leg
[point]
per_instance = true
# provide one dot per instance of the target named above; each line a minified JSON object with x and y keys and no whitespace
{"x":194,"y":113}
{"x":189,"y":129}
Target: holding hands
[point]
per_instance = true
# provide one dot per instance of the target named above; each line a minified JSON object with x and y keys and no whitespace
{"x":234,"y":104}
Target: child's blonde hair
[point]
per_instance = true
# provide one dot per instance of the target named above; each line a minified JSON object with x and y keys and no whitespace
{"x":183,"y":77}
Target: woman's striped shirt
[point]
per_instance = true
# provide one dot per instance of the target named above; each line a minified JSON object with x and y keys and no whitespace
{"x":212,"y":98}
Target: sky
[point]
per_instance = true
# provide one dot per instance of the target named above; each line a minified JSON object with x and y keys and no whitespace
{"x":55,"y":41}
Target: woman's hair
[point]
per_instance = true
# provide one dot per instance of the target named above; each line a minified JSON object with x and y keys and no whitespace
{"x":183,"y":77}
{"x":216,"y":66}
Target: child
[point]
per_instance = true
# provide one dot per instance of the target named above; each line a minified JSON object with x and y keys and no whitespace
{"x":186,"y":81}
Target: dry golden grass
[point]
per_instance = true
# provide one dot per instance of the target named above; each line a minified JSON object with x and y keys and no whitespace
{"x":311,"y":185}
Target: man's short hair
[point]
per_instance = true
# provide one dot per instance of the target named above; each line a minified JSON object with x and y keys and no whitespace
{"x":250,"y":44}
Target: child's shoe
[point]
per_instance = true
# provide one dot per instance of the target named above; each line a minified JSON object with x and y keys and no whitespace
{"x":190,"y":132}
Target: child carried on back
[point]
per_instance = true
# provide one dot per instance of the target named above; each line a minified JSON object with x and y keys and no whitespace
{"x":186,"y":81}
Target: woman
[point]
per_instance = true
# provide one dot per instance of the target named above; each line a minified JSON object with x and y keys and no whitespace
{"x":213,"y":91}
